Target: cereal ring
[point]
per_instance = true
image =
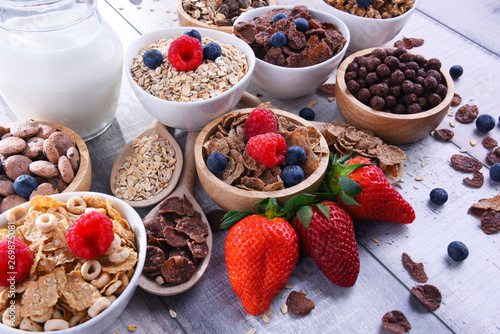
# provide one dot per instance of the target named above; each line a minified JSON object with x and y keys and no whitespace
{"x":102,"y":280}
{"x":11,"y":201}
{"x":12,"y":145}
{"x":64,"y":166}
{"x":45,"y":130}
{"x":115,"y":245}
{"x":24,"y":128}
{"x":34,"y":148}
{"x":62,"y":141}
{"x":100,"y":305}
{"x":125,"y":281}
{"x":44,"y":189}
{"x":90,"y":270}
{"x":75,"y":320}
{"x":44,"y":317}
{"x":55,"y":325}
{"x":7,"y":320}
{"x":16,"y":214}
{"x":74,"y":158}
{"x":112,"y":288}
{"x":120,"y":255}
{"x":43,"y":168}
{"x":6,"y":186}
{"x":16,"y":165}
{"x":101,"y":210}
{"x":50,"y":151}
{"x":76,"y":205}
{"x":30,"y":326}
{"x":46,"y":222}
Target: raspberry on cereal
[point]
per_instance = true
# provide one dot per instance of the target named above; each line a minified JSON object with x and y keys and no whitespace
{"x":185,"y":53}
{"x":22,"y":261}
{"x":90,"y":235}
{"x":269,"y":149}
{"x":260,"y":121}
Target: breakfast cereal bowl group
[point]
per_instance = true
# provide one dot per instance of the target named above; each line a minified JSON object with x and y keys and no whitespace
{"x":306,"y":55}
{"x":368,"y":32}
{"x":80,"y":306}
{"x":189,"y":99}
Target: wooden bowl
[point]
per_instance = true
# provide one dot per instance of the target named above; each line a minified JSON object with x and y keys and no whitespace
{"x":187,"y":20}
{"x":396,"y":129}
{"x":232,"y":198}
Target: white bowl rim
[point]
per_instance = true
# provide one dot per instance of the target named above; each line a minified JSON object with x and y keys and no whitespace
{"x":312,"y":11}
{"x":389,"y":19}
{"x":203,"y":32}
{"x":141,"y":256}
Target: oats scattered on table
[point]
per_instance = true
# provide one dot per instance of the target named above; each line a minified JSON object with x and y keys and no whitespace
{"x":132,"y":328}
{"x":160,"y":280}
{"x":304,"y":292}
{"x":265,"y":318}
{"x":424,"y":162}
{"x":374,"y":239}
{"x":284,"y":309}
{"x":419,"y":178}
{"x":463,"y":150}
{"x":173,"y":314}
{"x":452,"y":124}
{"x":473,"y":142}
{"x":253,"y":330}
{"x":289,"y":286}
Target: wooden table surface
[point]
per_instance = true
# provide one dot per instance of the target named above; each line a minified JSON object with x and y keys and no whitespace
{"x":455,"y":31}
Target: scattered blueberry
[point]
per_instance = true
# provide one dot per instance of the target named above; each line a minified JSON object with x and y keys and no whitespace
{"x":212,"y":51}
{"x":295,"y":155}
{"x":485,"y":123}
{"x":292,"y":175}
{"x":307,"y":114}
{"x":301,"y":24}
{"x":216,"y":163}
{"x":495,"y":172}
{"x":364,"y":3}
{"x":438,"y":196}
{"x":279,"y":16}
{"x":152,"y":58}
{"x":24,"y":185}
{"x":456,"y":71}
{"x":193,"y":33}
{"x":278,"y":39}
{"x":458,"y":251}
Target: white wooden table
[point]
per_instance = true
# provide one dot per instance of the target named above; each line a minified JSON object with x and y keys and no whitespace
{"x":457,"y":32}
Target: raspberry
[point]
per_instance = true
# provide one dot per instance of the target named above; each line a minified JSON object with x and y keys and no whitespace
{"x":90,"y":235}
{"x":185,"y":53}
{"x":269,"y":149}
{"x":260,"y":121}
{"x":14,"y":262}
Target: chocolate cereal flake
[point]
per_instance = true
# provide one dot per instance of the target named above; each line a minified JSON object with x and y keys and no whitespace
{"x":194,"y":228}
{"x":490,"y":222}
{"x":456,"y":100}
{"x":443,"y":134}
{"x":299,"y":304}
{"x":199,"y":250}
{"x":154,"y":226}
{"x":428,"y":295}
{"x":396,"y":321}
{"x":409,"y":43}
{"x":177,"y":270}
{"x":493,"y":156}
{"x":483,"y":205}
{"x":476,"y":181}
{"x":467,"y":113}
{"x":155,"y":257}
{"x":416,"y":270}
{"x":172,"y":204}
{"x":173,"y":237}
{"x":489,"y":142}
{"x":327,"y":89}
{"x":464,"y":163}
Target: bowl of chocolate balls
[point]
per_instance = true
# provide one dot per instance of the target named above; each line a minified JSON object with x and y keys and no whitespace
{"x":399,"y":95}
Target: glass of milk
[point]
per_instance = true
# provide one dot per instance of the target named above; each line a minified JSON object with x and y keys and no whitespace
{"x":60,"y":62}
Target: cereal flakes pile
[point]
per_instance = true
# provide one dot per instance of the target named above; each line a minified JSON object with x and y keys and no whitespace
{"x":60,"y":285}
{"x":380,"y":9}
{"x":321,"y":42}
{"x":243,"y":171}
{"x":210,"y":79}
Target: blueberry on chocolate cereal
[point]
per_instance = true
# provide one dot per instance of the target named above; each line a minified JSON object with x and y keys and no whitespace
{"x":292,"y":175}
{"x":24,"y":185}
{"x":301,"y":24}
{"x":307,"y":114}
{"x":438,"y":196}
{"x":364,"y":3}
{"x":295,"y":155}
{"x":193,"y":33}
{"x":485,"y":123}
{"x":495,"y":172}
{"x":279,"y":16}
{"x":152,"y":58}
{"x":212,"y":51}
{"x":278,"y":39}
{"x":458,"y":251}
{"x":456,"y":71}
{"x":216,"y":163}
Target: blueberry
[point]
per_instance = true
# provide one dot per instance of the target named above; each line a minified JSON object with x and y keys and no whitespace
{"x":295,"y":155}
{"x":485,"y":123}
{"x":458,"y":251}
{"x":212,"y":51}
{"x":292,"y":175}
{"x":438,"y":196}
{"x":193,"y":33}
{"x":216,"y":163}
{"x":456,"y":71}
{"x":301,"y":24}
{"x":24,"y":185}
{"x":152,"y":58}
{"x":279,"y":16}
{"x":307,"y":114}
{"x":364,"y":3}
{"x":495,"y":172}
{"x":278,"y":39}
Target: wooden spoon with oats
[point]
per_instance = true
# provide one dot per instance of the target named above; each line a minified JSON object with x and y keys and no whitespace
{"x":148,"y":168}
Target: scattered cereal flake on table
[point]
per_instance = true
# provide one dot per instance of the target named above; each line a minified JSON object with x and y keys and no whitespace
{"x":419,"y":178}
{"x":253,"y":330}
{"x":424,"y":162}
{"x":174,"y":19}
{"x":173,"y":314}
{"x":399,"y":185}
{"x":265,"y":318}
{"x":269,"y":313}
{"x":289,"y":286}
{"x":139,"y":7}
{"x":473,"y":142}
{"x":463,"y":150}
{"x":374,"y":239}
{"x":168,"y":10}
{"x":284,"y":309}
{"x":312,"y":104}
{"x":132,"y":328}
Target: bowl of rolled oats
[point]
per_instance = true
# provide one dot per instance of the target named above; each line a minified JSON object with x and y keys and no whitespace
{"x":79,"y":257}
{"x":185,"y":78}
{"x":373,"y":25}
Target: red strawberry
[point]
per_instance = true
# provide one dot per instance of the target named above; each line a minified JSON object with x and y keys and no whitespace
{"x":330,"y":241}
{"x":269,"y":149}
{"x":378,"y":200}
{"x":260,"y":255}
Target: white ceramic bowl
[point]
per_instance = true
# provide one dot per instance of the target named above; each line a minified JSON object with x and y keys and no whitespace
{"x":108,"y":316}
{"x":289,"y":83}
{"x":366,"y":32}
{"x":189,"y":115}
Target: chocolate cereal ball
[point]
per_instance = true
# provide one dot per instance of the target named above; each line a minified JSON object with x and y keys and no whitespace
{"x":377,"y":103}
{"x":397,"y":77}
{"x":408,"y":86}
{"x":430,"y":83}
{"x":390,"y":102}
{"x":364,"y":95}
{"x":373,"y":64}
{"x":433,"y":64}
{"x":372,"y":79}
{"x":414,"y":108}
{"x":399,"y":109}
{"x":362,"y":72}
{"x":392,"y":62}
{"x":353,"y":75}
{"x":383,"y":71}
{"x":433,"y":100}
{"x":353,"y":86}
{"x":441,"y":90}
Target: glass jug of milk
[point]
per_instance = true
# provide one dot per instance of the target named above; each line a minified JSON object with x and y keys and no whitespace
{"x":60,"y":62}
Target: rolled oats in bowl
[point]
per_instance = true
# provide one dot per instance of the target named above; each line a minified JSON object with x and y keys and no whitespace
{"x":378,"y":9}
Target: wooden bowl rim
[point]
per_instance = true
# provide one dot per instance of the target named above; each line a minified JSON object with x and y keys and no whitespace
{"x":342,"y":87}
{"x":210,"y":128}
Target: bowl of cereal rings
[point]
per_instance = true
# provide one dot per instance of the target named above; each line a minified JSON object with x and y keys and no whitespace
{"x":79,"y":257}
